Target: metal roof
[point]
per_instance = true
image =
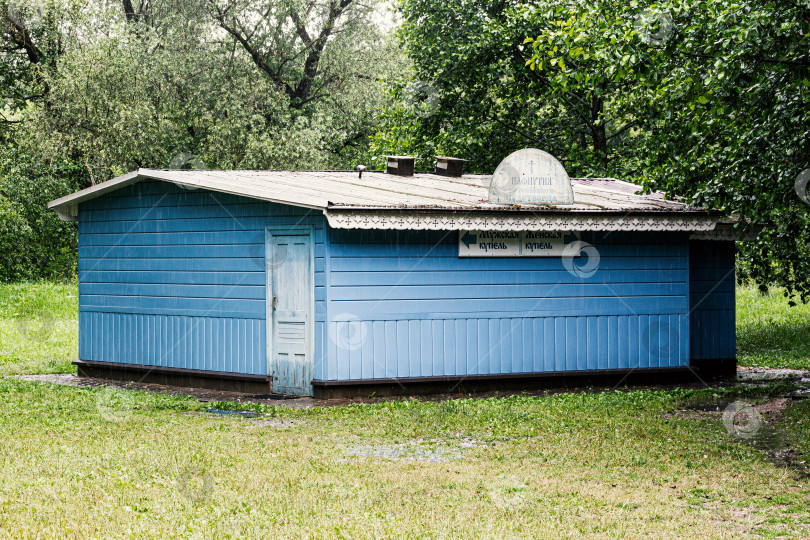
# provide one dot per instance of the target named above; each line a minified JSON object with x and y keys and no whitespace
{"x":378,"y":190}
{"x":343,"y":193}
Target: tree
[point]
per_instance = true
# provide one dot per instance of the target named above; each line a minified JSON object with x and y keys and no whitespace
{"x":726,"y":102}
{"x":134,"y":83}
{"x":720,"y":93}
{"x":705,"y":100}
{"x":35,"y":244}
{"x":471,"y":57}
{"x":295,"y":61}
{"x":159,"y":79}
{"x":30,"y":44}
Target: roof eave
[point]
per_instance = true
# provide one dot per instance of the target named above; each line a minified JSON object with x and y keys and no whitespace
{"x":67,"y":207}
{"x":511,"y":209}
{"x":526,"y":221}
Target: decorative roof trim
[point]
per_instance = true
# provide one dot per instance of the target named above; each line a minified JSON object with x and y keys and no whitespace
{"x":535,"y":222}
{"x":725,"y":232}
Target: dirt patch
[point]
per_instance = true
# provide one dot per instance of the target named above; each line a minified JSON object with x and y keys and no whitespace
{"x":763,"y":374}
{"x":758,"y":425}
{"x":745,"y":375}
{"x":419,"y":450}
{"x":64,"y":379}
{"x":292,"y":402}
{"x":775,"y":407}
{"x":716,"y":409}
{"x":275,"y":423}
{"x":202,"y":394}
{"x":250,"y":418}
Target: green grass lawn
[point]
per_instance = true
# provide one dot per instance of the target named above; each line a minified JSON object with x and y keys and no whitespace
{"x":39,"y":328}
{"x":771,"y":333}
{"x":82,"y":462}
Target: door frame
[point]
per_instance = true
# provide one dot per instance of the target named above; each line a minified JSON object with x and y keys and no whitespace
{"x":269,"y":233}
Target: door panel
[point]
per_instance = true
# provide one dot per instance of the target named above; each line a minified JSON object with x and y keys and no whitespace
{"x":290,"y":275}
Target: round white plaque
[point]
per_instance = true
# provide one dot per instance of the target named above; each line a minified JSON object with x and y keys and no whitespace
{"x":531,"y":176}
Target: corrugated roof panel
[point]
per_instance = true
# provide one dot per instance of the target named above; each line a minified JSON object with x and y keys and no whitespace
{"x":378,"y":190}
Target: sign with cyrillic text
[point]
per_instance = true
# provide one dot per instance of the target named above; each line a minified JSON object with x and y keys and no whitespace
{"x":515,"y":244}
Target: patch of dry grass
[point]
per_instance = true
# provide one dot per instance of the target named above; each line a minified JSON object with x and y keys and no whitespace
{"x":81,"y":463}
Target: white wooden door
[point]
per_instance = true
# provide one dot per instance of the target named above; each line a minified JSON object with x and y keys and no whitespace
{"x":290,"y":310}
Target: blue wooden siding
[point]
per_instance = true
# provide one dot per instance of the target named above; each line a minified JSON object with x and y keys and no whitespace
{"x":711,"y":300}
{"x":403,"y":304}
{"x":176,"y":277}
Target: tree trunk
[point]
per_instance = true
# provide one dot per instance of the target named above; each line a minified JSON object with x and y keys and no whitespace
{"x":598,"y":131}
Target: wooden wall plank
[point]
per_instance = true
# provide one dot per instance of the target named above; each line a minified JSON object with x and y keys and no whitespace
{"x":176,"y":277}
{"x":472,"y":264}
{"x":218,"y":344}
{"x":711,"y":322}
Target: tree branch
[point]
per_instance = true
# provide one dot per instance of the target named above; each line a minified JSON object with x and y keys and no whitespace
{"x":274,"y":62}
{"x":5,"y":120}
{"x":257,"y":57}
{"x":129,"y":11}
{"x":21,"y":38}
{"x":518,"y":131}
{"x":632,"y":124}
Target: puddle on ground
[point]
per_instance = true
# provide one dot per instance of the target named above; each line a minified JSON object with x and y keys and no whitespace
{"x":238,"y":414}
{"x":767,"y":375}
{"x":756,"y":421}
{"x":249,"y":418}
{"x":415,"y":451}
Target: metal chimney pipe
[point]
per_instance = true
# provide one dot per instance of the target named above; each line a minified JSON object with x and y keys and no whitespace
{"x":400,"y":165}
{"x":449,"y":166}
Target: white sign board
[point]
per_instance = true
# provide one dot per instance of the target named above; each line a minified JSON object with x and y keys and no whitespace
{"x":530,"y":176}
{"x":516,"y":244}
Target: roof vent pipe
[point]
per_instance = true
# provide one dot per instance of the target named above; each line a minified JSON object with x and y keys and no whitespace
{"x":449,"y":166}
{"x":400,"y":165}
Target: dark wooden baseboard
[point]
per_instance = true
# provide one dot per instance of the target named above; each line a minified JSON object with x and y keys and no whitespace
{"x":716,"y":368}
{"x":511,"y":382}
{"x":193,"y":378}
{"x":698,"y":372}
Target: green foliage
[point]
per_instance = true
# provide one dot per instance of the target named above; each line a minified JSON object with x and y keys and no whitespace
{"x":15,"y":237}
{"x":726,"y":102}
{"x":90,"y":90}
{"x":720,"y":91}
{"x":158,"y":86}
{"x":32,"y":42}
{"x":705,"y":100}
{"x":39,"y":244}
{"x":472,"y":56}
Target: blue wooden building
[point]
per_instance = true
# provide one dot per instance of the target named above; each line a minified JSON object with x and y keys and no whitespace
{"x":328,"y":283}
